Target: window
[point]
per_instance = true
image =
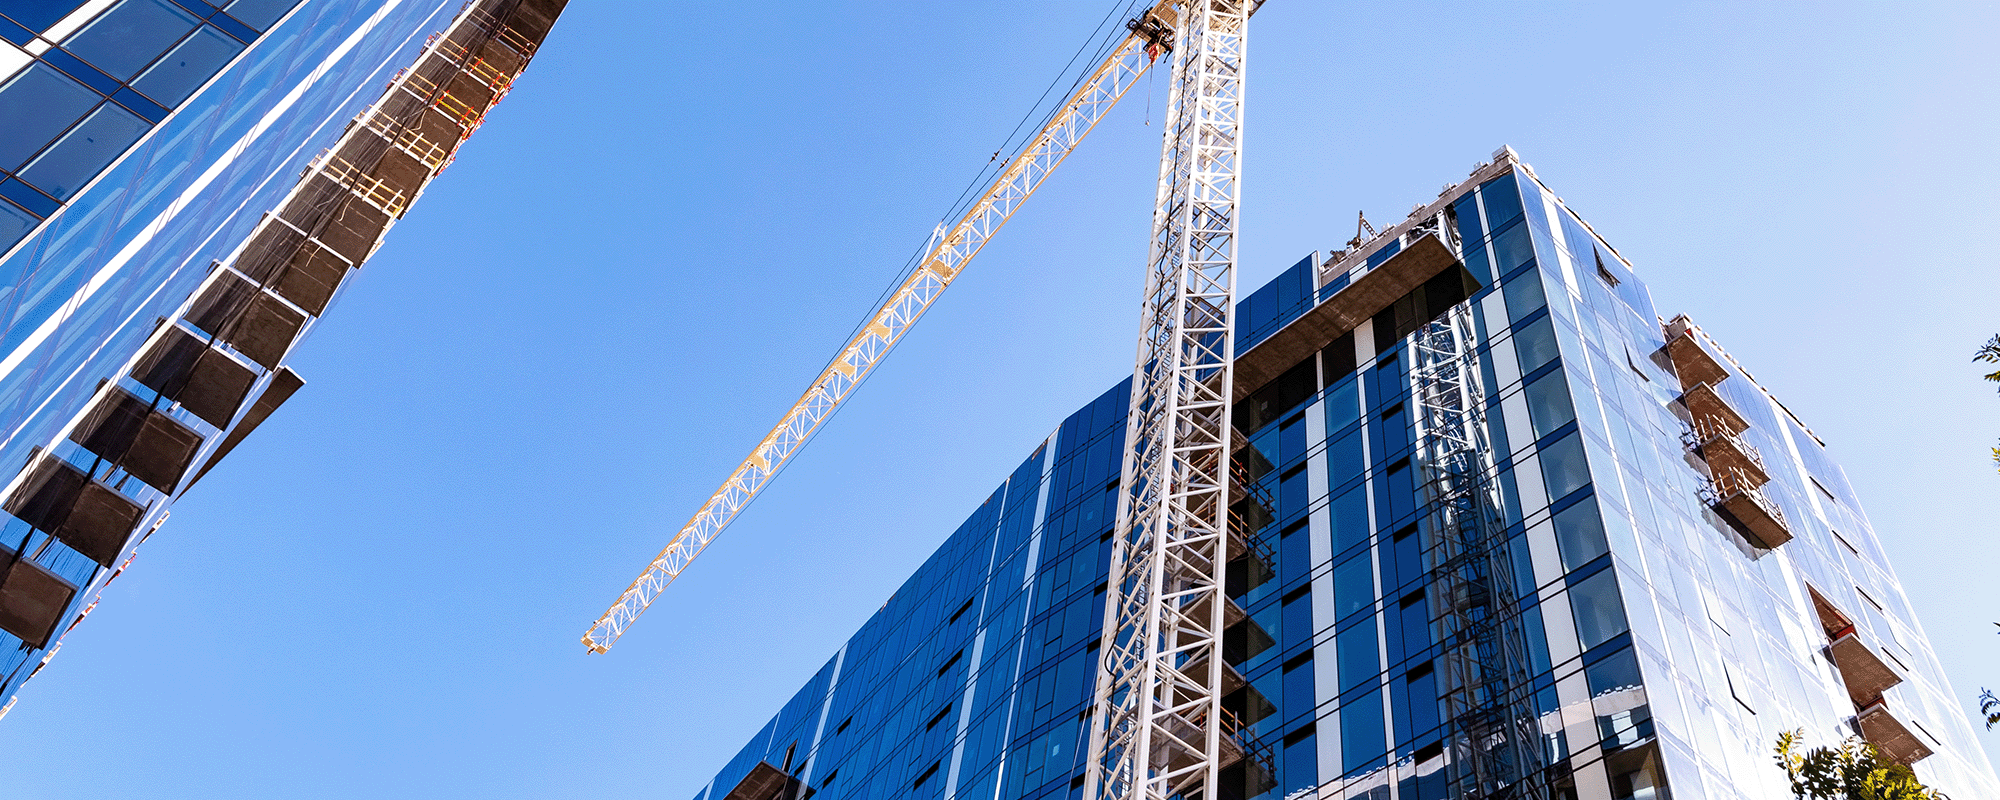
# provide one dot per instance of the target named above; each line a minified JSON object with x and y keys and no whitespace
{"x":259,"y":14}
{"x":1535,"y":344}
{"x":1360,"y":661}
{"x":1353,"y":586}
{"x":86,"y":150}
{"x":14,"y":224}
{"x":129,"y":36}
{"x":188,"y":67}
{"x":1524,"y":295}
{"x":1580,"y":534}
{"x":1362,"y":742}
{"x":34,"y":108}
{"x":1605,"y":274}
{"x":1597,"y":607}
{"x":40,"y":14}
{"x":1563,"y":467}
{"x":1343,"y":404}
{"x":1549,"y":405}
{"x":1350,"y":518}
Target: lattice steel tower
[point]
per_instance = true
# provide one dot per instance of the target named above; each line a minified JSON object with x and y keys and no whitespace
{"x":1157,"y":729}
{"x":1488,"y":700}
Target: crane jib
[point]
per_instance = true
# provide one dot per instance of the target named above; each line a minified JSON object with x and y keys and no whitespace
{"x":946,"y":259}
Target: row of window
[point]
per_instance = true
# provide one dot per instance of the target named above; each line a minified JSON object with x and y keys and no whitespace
{"x":80,"y":96}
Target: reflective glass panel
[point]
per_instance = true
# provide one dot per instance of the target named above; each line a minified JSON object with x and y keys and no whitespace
{"x":188,"y":66}
{"x":131,"y":35}
{"x":14,"y":224}
{"x":259,"y":14}
{"x":38,"y":14}
{"x":87,"y":148}
{"x":34,"y":108}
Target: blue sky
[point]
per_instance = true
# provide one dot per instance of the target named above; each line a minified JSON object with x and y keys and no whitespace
{"x":683,"y":208}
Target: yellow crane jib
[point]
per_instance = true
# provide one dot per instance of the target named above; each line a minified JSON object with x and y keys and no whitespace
{"x":946,"y":259}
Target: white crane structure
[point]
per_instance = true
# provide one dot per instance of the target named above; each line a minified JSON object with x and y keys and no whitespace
{"x":1157,"y":728}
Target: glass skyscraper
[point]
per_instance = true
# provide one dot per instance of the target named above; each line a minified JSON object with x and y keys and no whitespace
{"x":1666,"y":568}
{"x":184,"y":188}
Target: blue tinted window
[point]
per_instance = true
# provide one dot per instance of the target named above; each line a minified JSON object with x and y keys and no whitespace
{"x":1580,"y":534}
{"x":1618,"y":671}
{"x":259,"y":14}
{"x":1502,"y":199}
{"x":1535,"y":344}
{"x":38,"y":14}
{"x":14,"y":224}
{"x":1524,"y":295}
{"x":1350,"y":519}
{"x":1344,"y":461}
{"x":1402,"y":491}
{"x":1563,"y":467}
{"x":131,"y":35}
{"x":1466,"y":209}
{"x":1512,"y":248}
{"x":1392,"y":248}
{"x":1353,"y":586}
{"x":1298,"y":626}
{"x":1362,"y":741}
{"x":85,"y":150}
{"x":1599,"y":616}
{"x":1360,"y":660}
{"x":1422,"y":706}
{"x":188,"y":66}
{"x":34,"y":108}
{"x":1395,"y":433}
{"x":1549,"y":406}
{"x":1343,"y":404}
{"x":1291,"y":440}
{"x":1475,"y":263}
{"x":1301,"y":768}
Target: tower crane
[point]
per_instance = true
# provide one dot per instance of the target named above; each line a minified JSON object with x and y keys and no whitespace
{"x":1157,"y":728}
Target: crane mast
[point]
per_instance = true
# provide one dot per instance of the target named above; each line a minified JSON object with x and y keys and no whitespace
{"x":1157,"y":728}
{"x":947,"y":256}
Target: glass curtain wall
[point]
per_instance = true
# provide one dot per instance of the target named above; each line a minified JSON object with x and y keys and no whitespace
{"x":1666,"y":646}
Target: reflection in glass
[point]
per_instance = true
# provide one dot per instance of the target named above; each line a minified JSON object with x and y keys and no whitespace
{"x":14,"y":224}
{"x":34,"y":108}
{"x":38,"y":14}
{"x":1599,"y":615}
{"x":131,"y":35}
{"x":1549,"y":407}
{"x":1563,"y":467}
{"x":1580,"y":534}
{"x":91,"y":146}
{"x":188,"y":67}
{"x":259,"y":14}
{"x":1535,"y":344}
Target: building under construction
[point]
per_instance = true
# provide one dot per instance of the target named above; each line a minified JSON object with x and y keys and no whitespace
{"x":185,"y":188}
{"x":1497,"y":529}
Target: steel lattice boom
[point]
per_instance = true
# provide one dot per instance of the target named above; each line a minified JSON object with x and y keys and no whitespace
{"x":949,"y":254}
{"x":1157,"y":730}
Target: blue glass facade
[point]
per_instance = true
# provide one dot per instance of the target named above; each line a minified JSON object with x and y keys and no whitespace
{"x":1689,"y":572}
{"x":154,"y":266}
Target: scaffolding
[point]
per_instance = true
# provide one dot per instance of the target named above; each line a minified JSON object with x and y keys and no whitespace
{"x":1495,"y":747}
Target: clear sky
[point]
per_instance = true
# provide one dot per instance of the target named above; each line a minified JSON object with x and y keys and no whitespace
{"x":683,"y":208}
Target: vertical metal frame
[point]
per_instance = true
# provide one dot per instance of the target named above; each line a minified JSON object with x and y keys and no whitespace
{"x":1157,"y":730}
{"x":1495,"y":741}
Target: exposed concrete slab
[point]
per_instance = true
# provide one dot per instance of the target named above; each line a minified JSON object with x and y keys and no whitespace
{"x":1348,"y":309}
